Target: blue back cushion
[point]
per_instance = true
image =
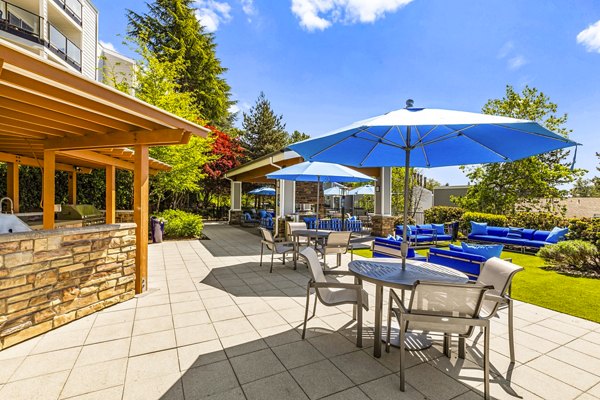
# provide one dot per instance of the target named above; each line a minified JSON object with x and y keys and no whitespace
{"x":541,"y":235}
{"x":456,"y":248}
{"x":409,"y":231}
{"x":497,"y":231}
{"x":247,"y":216}
{"x":479,"y":228}
{"x":439,"y":228}
{"x":425,"y":226}
{"x":487,"y":251}
{"x":262,"y":213}
{"x":557,"y":234}
{"x":515,"y":233}
{"x":527,"y":234}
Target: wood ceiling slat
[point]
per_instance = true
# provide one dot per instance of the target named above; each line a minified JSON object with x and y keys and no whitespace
{"x":43,"y":122}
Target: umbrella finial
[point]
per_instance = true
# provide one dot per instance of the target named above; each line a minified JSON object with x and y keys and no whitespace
{"x":409,"y":103}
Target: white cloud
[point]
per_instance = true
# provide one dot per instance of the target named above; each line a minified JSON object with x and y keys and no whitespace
{"x":590,"y":37}
{"x":516,"y":62}
{"x":107,"y":45}
{"x":321,"y":14}
{"x":506,"y":49}
{"x":248,"y":8}
{"x":212,"y":13}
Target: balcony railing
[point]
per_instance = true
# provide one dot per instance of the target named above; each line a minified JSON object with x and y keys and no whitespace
{"x":20,"y":22}
{"x":63,"y":47}
{"x":72,"y":8}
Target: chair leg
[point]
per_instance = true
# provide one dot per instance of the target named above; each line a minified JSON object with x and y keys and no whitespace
{"x":402,"y":355}
{"x":315,"y":306}
{"x":339,"y":259}
{"x":511,"y":333}
{"x":461,"y":347}
{"x":272,"y":257}
{"x":486,"y":363}
{"x":306,"y":310}
{"x":388,"y":333}
{"x":283,"y":256}
{"x":262,"y":245}
{"x":359,"y":327}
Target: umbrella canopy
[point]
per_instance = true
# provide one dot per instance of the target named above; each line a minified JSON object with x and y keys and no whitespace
{"x":434,"y":137}
{"x":363,"y":190}
{"x":263,"y":191}
{"x":319,"y":172}
{"x":422,"y":137}
{"x":334,"y":191}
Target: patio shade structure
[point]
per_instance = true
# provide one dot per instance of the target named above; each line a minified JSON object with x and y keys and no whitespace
{"x":53,"y":118}
{"x":316,"y":171}
{"x":425,"y":138}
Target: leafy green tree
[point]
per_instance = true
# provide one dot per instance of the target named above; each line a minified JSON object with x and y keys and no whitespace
{"x":498,"y":188}
{"x":587,"y":187}
{"x":171,"y":32}
{"x":297,"y":136}
{"x":414,"y":189}
{"x":264,"y":131}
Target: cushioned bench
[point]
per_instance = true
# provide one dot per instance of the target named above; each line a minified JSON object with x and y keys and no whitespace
{"x":516,"y":237}
{"x":383,"y":247}
{"x":467,"y":258}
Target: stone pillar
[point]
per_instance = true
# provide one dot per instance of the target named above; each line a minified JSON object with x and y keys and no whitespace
{"x":383,"y":225}
{"x":235,"y":211}
{"x":306,"y":192}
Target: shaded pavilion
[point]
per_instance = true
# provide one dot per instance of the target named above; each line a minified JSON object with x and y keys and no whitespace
{"x":56,"y":119}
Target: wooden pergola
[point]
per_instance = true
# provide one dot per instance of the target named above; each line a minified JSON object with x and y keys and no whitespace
{"x":56,"y":119}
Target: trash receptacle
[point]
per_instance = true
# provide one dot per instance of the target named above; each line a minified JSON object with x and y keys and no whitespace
{"x":157,"y":229}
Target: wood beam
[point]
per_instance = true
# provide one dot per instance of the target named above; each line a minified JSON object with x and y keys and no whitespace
{"x":48,"y":188}
{"x":20,"y":132}
{"x":72,"y":198}
{"x":34,"y":119}
{"x":111,"y":194}
{"x":102,"y":159}
{"x":32,"y":162}
{"x":12,"y":184}
{"x":160,"y":137}
{"x":140,"y":216}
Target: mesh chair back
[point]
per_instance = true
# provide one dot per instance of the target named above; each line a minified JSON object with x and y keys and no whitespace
{"x":313,"y":264}
{"x":445,"y":300}
{"x":268,"y":238}
{"x":497,"y":273}
{"x":294,"y":226}
{"x":338,"y":242}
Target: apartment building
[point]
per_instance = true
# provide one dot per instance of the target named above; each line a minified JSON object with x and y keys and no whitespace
{"x":64,"y":31}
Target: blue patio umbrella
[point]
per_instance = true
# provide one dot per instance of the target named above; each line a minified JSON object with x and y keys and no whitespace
{"x":423,"y":137}
{"x":365,"y":190}
{"x":334,"y":191}
{"x":319,"y":172}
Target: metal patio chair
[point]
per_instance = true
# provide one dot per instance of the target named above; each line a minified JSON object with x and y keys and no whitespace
{"x":337,"y":243}
{"x":333,"y":293}
{"x":441,"y":307}
{"x":279,"y":247}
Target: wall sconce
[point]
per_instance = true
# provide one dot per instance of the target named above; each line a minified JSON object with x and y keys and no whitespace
{"x":378,"y":188}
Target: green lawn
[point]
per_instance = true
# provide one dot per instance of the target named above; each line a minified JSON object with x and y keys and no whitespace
{"x":575,"y":296}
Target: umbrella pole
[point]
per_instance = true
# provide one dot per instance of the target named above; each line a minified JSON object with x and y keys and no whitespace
{"x":318,"y":193}
{"x":404,"y":246}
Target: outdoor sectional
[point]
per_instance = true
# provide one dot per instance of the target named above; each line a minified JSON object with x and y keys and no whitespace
{"x":424,"y":234}
{"x":523,"y":239}
{"x":468,"y":264}
{"x":383,"y":247}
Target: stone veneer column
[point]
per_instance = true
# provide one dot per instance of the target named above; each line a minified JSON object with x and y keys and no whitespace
{"x":235,"y":211}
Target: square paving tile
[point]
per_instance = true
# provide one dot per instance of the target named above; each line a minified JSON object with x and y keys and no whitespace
{"x":90,"y":378}
{"x":360,"y":367}
{"x":195,"y":334}
{"x":208,"y":380}
{"x":38,"y":388}
{"x":151,"y":325}
{"x":321,"y":379}
{"x":280,"y":386}
{"x":199,"y":354}
{"x":256,"y":365}
{"x":104,"y":351}
{"x":45,"y":363}
{"x":297,"y":354}
{"x":152,"y":342}
{"x":152,"y":365}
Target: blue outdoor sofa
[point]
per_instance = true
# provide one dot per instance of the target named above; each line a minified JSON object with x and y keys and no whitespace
{"x":467,"y":258}
{"x":424,"y":234}
{"x":383,"y":247}
{"x":516,"y":237}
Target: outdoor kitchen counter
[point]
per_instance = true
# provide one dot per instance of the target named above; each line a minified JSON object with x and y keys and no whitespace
{"x":51,"y":277}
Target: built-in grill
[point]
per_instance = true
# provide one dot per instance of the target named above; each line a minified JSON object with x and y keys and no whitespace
{"x":87,"y":213}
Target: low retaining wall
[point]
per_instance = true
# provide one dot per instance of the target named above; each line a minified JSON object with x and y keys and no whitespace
{"x":50,"y":278}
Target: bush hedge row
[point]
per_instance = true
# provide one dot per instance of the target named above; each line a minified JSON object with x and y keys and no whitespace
{"x":442,"y":214}
{"x":181,"y":224}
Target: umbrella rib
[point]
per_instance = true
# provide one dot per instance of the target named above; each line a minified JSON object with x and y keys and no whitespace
{"x":422,"y":138}
{"x":560,"y":138}
{"x":422,"y":147}
{"x":449,"y":135}
{"x":376,"y":144}
{"x":487,"y":147}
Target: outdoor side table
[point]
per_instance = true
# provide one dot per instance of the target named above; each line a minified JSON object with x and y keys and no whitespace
{"x":388,"y":272}
{"x":307,"y":233}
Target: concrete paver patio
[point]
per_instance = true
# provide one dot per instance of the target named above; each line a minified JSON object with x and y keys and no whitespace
{"x":215,"y":324}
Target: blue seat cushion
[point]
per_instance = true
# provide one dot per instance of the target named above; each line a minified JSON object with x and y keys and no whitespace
{"x":556,"y":234}
{"x":541,"y":235}
{"x":479,"y":228}
{"x":487,"y":251}
{"x":439,"y":228}
{"x":497,"y":231}
{"x":527,"y":234}
{"x":455,"y":248}
{"x":443,"y":238}
{"x":247,"y":217}
{"x":262,"y":213}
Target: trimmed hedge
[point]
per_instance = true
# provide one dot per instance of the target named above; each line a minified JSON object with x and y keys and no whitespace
{"x":586,"y":229}
{"x":537,"y":220}
{"x":443,"y":214}
{"x":181,"y":224}
{"x":574,"y":255}
{"x":491,"y":219}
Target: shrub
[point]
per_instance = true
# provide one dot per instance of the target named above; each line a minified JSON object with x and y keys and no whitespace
{"x":586,"y":229}
{"x":181,"y":224}
{"x":399,"y":220}
{"x":537,"y":220}
{"x":572,"y":255}
{"x":442,"y":214}
{"x":491,"y":219}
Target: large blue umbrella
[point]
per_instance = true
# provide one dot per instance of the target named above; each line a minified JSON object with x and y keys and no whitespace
{"x":319,"y":172}
{"x":422,"y":137}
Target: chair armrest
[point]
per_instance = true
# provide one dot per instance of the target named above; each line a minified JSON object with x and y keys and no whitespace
{"x":335,"y":285}
{"x":338,"y":273}
{"x":394,"y":297}
{"x":496,"y":298}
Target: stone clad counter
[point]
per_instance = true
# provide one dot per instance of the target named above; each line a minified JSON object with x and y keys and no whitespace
{"x":49,"y":278}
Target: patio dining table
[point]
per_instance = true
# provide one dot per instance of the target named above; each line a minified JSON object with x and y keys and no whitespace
{"x":388,"y":272}
{"x":309,"y":234}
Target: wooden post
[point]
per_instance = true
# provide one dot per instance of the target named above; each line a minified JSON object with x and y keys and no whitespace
{"x":111,"y":194}
{"x":48,"y":188}
{"x":140,"y":216}
{"x":12,"y":184}
{"x":72,"y":187}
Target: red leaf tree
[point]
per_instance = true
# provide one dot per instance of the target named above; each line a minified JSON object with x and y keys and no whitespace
{"x":228,"y":152}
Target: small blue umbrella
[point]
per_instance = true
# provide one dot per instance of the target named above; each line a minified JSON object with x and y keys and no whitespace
{"x":363,"y":190}
{"x":263,"y":191}
{"x":422,"y":137}
{"x":319,"y":172}
{"x":334,"y":191}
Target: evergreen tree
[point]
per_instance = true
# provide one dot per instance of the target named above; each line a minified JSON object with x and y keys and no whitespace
{"x":297,"y":136}
{"x":264,"y":131}
{"x":171,"y":31}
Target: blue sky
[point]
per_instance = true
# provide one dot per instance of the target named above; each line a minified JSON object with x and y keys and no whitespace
{"x":326,"y":63}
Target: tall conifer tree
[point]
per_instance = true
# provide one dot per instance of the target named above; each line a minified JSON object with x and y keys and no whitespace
{"x":172,"y":32}
{"x":264,"y":131}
